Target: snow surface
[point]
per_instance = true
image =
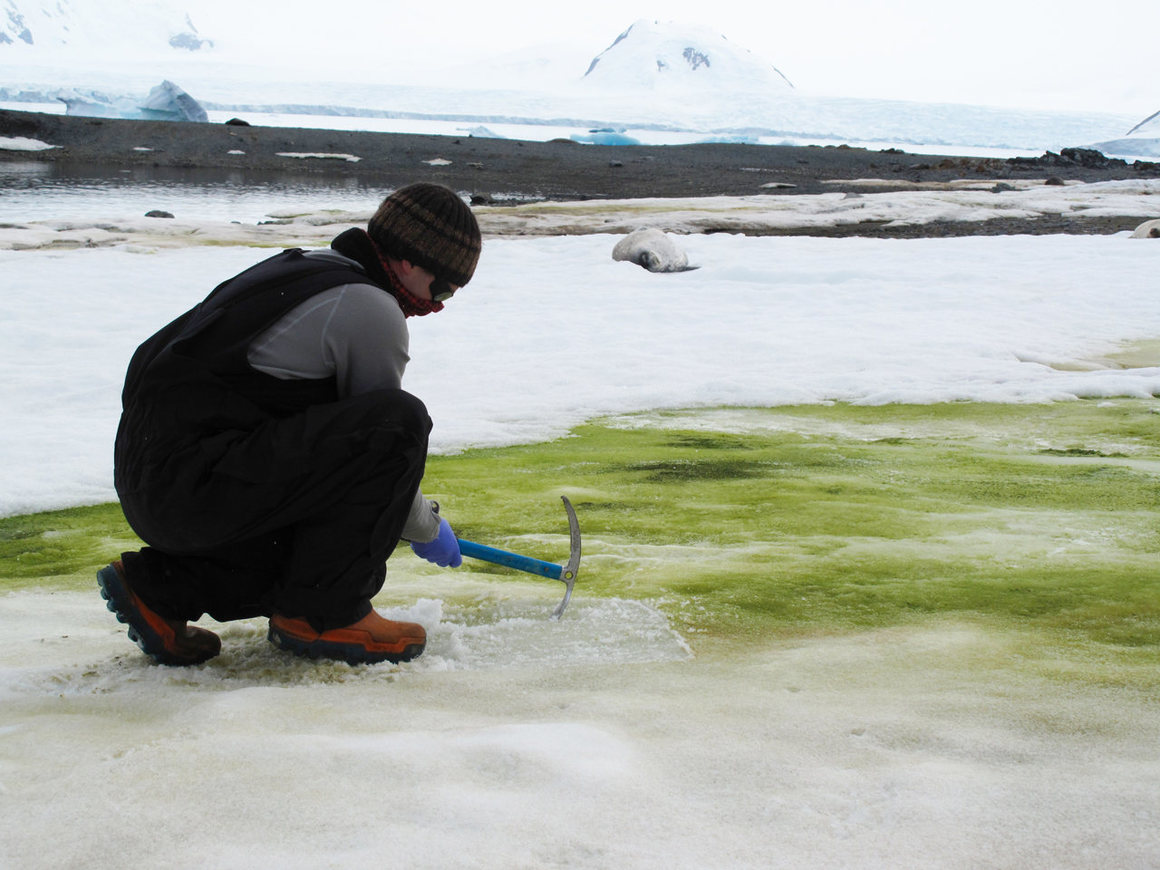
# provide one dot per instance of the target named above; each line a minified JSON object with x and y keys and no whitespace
{"x":804,"y":319}
{"x":898,"y":748}
{"x":23,"y":143}
{"x":792,"y":320}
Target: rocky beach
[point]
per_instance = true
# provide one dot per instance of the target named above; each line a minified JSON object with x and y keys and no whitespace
{"x":498,"y":172}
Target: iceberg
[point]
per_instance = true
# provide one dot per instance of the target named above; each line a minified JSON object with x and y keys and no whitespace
{"x":168,"y":102}
{"x":165,"y":102}
{"x":604,"y":137}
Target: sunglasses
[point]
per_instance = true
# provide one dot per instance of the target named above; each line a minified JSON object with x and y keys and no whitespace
{"x":441,"y":290}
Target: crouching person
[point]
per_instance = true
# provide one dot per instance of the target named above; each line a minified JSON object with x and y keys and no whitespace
{"x":268,"y":455}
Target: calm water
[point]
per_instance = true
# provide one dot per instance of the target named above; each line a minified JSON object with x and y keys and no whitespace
{"x":37,"y":191}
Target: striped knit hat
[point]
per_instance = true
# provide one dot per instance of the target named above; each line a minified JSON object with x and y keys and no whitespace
{"x":430,"y":226}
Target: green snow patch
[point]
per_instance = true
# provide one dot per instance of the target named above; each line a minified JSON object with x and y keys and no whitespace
{"x":1040,"y":522}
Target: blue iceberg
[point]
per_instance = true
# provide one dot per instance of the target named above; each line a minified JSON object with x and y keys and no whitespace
{"x":604,"y":137}
{"x":166,"y":102}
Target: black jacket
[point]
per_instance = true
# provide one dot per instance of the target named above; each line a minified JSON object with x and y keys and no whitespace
{"x":190,"y":391}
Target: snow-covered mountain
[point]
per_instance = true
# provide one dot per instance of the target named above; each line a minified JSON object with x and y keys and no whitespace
{"x":671,"y":55}
{"x":77,"y":24}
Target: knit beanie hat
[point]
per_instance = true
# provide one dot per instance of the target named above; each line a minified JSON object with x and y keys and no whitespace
{"x":430,"y":226}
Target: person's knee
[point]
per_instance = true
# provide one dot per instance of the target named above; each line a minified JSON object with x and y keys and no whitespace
{"x":399,"y":421}
{"x":412,"y":413}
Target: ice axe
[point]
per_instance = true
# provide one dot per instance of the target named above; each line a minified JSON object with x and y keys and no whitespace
{"x":566,"y":574}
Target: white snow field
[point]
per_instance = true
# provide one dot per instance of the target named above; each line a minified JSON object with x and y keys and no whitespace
{"x":599,"y":740}
{"x":900,"y":748}
{"x":553,"y":331}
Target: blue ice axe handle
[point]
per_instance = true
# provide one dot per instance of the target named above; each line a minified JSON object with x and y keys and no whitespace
{"x":566,"y":574}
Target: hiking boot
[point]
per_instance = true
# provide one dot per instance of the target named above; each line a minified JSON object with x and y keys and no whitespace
{"x":167,"y":641}
{"x":371,"y":639}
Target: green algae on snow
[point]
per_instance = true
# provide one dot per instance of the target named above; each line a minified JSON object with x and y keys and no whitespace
{"x":61,"y":547}
{"x":830,"y":518}
{"x":745,"y":523}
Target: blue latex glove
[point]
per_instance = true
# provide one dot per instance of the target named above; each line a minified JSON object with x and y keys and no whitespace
{"x":443,"y":551}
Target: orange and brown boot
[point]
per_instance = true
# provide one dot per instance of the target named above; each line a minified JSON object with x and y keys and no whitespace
{"x":371,"y":639}
{"x":167,"y":641}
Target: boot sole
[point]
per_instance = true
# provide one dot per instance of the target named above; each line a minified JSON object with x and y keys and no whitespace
{"x":352,"y":654}
{"x":119,"y":601}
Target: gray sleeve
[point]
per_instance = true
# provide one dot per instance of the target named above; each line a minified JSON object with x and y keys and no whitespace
{"x":422,"y":523}
{"x":355,"y":332}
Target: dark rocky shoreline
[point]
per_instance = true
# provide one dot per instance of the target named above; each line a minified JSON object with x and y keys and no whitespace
{"x":498,"y":171}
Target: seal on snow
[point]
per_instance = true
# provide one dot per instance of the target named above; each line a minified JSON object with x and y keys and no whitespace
{"x":652,"y":249}
{"x":1147,"y":230}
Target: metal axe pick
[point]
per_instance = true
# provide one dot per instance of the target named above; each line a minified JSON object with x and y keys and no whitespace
{"x":566,"y":574}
